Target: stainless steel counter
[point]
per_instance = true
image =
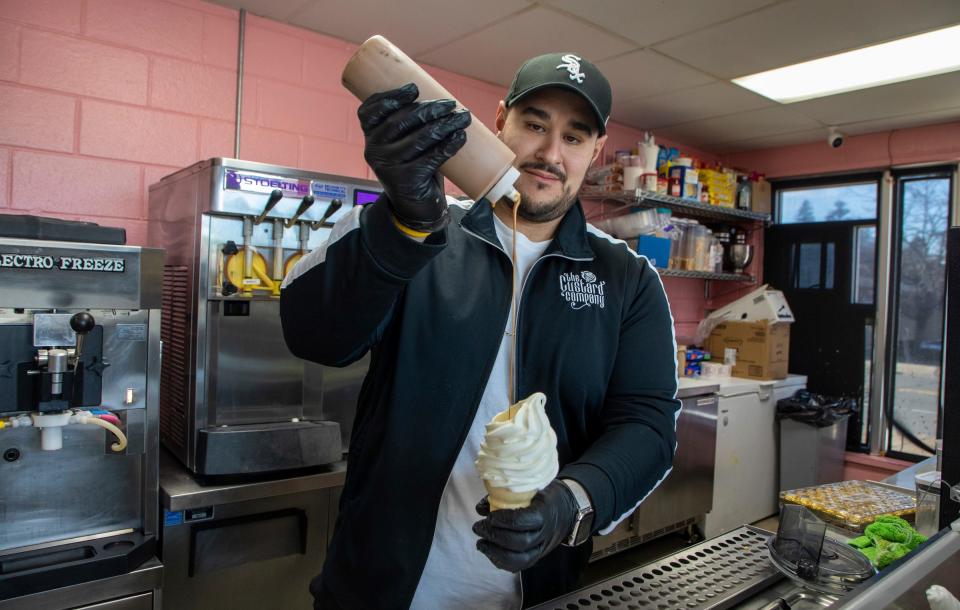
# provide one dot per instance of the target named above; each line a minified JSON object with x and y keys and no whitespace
{"x":180,"y":491}
{"x":137,"y":590}
{"x":905,"y":478}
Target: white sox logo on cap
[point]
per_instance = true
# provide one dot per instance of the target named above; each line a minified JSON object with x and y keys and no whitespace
{"x":571,"y":63}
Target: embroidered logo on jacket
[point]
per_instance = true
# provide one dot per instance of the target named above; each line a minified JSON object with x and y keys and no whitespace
{"x":582,"y":290}
{"x":571,"y":63}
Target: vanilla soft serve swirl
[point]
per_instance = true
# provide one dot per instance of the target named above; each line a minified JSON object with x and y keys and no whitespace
{"x":520,"y":453}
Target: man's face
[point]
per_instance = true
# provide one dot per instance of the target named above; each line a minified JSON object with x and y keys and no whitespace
{"x":554,"y":134}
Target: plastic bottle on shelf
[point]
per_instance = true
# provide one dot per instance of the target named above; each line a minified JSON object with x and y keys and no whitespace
{"x":716,"y":253}
{"x":677,"y":243}
{"x":702,"y":253}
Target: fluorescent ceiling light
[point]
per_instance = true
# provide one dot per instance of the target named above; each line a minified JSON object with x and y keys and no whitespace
{"x":922,"y":55}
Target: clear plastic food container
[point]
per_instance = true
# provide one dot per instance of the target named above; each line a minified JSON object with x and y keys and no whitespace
{"x":853,"y":505}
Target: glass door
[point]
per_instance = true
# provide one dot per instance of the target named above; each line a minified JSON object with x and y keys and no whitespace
{"x":821,"y":252}
{"x":915,"y":375}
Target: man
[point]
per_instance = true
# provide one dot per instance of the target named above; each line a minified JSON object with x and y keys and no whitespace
{"x":425,"y":286}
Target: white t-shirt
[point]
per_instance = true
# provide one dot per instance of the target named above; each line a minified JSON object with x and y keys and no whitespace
{"x":456,"y":574}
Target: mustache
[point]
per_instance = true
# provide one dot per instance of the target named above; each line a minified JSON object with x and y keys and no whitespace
{"x":546,"y":167}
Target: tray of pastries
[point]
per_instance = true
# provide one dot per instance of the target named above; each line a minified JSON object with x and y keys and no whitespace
{"x":853,"y":505}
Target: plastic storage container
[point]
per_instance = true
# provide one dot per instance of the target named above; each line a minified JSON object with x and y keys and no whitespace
{"x":853,"y":505}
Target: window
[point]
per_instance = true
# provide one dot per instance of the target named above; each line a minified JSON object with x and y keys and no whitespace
{"x":815,"y":266}
{"x":808,"y":275}
{"x":857,"y":201}
{"x":924,"y":217}
{"x":864,"y":263}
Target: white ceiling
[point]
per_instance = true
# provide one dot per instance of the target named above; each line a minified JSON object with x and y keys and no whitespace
{"x":669,"y":61}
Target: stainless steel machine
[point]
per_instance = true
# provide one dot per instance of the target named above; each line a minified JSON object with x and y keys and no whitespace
{"x":234,"y":399}
{"x":686,"y":496}
{"x":79,"y":375}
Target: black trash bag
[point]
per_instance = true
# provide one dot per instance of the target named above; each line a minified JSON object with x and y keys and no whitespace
{"x":815,"y":409}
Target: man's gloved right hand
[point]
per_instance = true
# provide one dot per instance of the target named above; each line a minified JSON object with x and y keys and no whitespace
{"x":406,"y":142}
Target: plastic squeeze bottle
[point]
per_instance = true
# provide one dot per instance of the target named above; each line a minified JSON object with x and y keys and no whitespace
{"x":483,"y":167}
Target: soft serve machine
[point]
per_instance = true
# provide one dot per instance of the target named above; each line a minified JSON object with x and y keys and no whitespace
{"x":234,"y":399}
{"x":79,"y":373}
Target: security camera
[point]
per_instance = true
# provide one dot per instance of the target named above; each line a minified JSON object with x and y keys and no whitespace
{"x":835,"y":138}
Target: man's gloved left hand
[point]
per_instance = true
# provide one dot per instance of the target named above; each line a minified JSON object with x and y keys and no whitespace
{"x":516,"y":539}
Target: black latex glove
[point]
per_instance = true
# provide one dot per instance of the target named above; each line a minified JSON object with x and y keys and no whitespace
{"x":406,"y":142}
{"x":516,"y":539}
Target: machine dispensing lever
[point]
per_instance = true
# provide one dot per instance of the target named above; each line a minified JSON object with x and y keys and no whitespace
{"x":81,"y":323}
{"x":335,"y":205}
{"x":275,"y":198}
{"x":305,"y":204}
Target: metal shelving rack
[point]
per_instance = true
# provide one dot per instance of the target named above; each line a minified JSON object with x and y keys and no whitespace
{"x":706,"y":275}
{"x":687,"y":207}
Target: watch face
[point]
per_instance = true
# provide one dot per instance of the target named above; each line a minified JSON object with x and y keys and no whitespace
{"x":586,"y":526}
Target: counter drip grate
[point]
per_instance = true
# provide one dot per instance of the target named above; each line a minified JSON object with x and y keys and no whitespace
{"x":716,"y":573}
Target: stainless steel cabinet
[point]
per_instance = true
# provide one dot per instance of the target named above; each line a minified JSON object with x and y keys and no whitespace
{"x":685,"y":495}
{"x":246,"y":546}
{"x":144,"y":601}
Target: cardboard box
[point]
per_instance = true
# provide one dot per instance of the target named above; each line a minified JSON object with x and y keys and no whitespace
{"x":763,"y":349}
{"x":764,"y":303}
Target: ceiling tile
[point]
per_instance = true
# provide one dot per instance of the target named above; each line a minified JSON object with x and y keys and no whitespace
{"x":644,"y":73}
{"x":799,"y":30}
{"x":783,"y":139}
{"x":691,"y":104}
{"x":652,"y":21}
{"x":902,"y":122}
{"x":742,"y":126}
{"x":494,"y":53}
{"x":899,"y":99}
{"x":413,"y":25}
{"x":279,"y":10}
{"x":850,"y":129}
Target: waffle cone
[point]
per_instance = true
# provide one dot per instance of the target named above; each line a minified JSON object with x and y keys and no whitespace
{"x":501,"y":497}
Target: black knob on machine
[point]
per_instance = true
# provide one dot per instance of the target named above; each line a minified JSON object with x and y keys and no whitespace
{"x":82,"y":322}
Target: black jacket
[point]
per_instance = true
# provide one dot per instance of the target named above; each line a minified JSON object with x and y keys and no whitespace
{"x":596,"y":336}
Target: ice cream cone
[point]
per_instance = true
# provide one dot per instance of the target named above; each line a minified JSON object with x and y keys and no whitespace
{"x":501,"y":497}
{"x":519,"y":451}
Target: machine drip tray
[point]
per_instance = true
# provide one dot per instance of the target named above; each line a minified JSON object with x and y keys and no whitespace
{"x":68,"y":564}
{"x":272,"y":447}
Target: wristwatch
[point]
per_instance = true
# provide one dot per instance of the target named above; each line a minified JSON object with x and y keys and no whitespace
{"x":583,"y":523}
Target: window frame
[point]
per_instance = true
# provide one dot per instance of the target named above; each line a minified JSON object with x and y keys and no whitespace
{"x":823,"y":181}
{"x":902,"y":176}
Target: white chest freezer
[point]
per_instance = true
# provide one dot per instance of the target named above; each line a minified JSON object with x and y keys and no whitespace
{"x":745,"y":481}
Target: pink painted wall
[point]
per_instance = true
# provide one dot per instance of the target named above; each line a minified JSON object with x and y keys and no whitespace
{"x":101,"y":98}
{"x":929,"y":144}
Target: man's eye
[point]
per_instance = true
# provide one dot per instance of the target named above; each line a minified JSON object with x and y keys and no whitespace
{"x":535,"y":127}
{"x":573,"y":140}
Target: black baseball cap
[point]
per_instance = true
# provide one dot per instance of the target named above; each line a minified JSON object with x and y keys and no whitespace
{"x":569,"y":71}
